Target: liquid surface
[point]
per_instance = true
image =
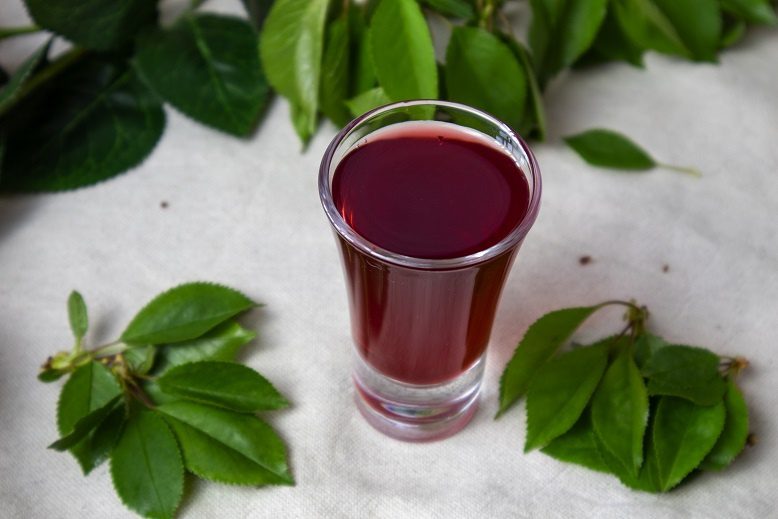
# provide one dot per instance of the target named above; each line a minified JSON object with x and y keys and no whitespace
{"x":430,"y":190}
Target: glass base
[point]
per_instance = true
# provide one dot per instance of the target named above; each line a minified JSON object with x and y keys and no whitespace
{"x":416,"y":413}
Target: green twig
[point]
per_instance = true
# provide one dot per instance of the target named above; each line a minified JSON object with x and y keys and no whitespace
{"x":112,"y":348}
{"x":486,"y":14}
{"x":54,"y":69}
{"x":135,"y":390}
{"x":681,"y":169}
{"x":10,"y":32}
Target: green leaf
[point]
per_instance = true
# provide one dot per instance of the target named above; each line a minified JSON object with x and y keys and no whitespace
{"x":648,"y":27}
{"x":686,"y":372}
{"x":185,"y":312}
{"x":211,"y":459}
{"x":217,"y":58}
{"x":90,"y":123}
{"x":543,"y":338}
{"x":146,"y":466}
{"x":366,"y":101}
{"x":612,"y":44}
{"x":77,"y":315}
{"x":608,"y":149}
{"x":303,"y":121}
{"x":335,"y":70}
{"x":362,"y":74}
{"x":140,"y":359}
{"x":10,"y":92}
{"x":291,"y":46}
{"x":483,"y":72}
{"x":646,"y":345}
{"x":534,"y":111}
{"x":560,"y":391}
{"x":257,"y":11}
{"x":50,"y":375}
{"x":85,"y":425}
{"x":753,"y":11}
{"x":221,"y":343}
{"x":613,"y":344}
{"x":153,"y":391}
{"x":561,"y":31}
{"x":620,"y":411}
{"x":403,"y":55}
{"x":90,"y":387}
{"x":460,"y":9}
{"x":733,"y":437}
{"x":94,"y":24}
{"x":732,"y":31}
{"x":222,"y":384}
{"x":647,"y":478}
{"x":102,"y":440}
{"x":684,"y":433}
{"x":698,"y":24}
{"x":225,"y":446}
{"x":578,"y":445}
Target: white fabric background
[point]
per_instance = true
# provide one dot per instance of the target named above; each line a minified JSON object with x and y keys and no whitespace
{"x":246,"y":213}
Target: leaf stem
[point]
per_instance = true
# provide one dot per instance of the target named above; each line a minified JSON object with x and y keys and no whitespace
{"x":112,"y":348}
{"x":628,"y":304}
{"x":681,"y":169}
{"x":613,"y":349}
{"x":55,"y":68}
{"x":135,"y":390}
{"x":733,"y":365}
{"x":486,"y":15}
{"x":10,"y":32}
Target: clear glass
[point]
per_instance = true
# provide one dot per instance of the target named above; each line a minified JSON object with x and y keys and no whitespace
{"x":423,"y":383}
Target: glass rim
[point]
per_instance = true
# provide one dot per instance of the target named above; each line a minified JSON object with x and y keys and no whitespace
{"x":512,"y":239}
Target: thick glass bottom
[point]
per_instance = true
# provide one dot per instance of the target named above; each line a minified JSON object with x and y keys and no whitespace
{"x":416,"y":413}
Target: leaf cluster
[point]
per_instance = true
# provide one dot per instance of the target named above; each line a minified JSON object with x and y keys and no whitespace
{"x":96,"y":111}
{"x":359,"y":56}
{"x":632,"y":405}
{"x":168,"y":398}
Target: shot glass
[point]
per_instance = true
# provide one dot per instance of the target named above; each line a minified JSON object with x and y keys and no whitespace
{"x":421,"y":325}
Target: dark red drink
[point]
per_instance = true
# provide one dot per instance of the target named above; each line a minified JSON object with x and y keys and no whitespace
{"x":435,"y":191}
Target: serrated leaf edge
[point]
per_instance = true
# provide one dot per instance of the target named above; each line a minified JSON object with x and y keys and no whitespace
{"x":244,"y":133}
{"x":711,"y":466}
{"x":646,"y":373}
{"x":286,"y":475}
{"x":252,"y":304}
{"x":503,"y":408}
{"x":666,"y":488}
{"x":527,"y":446}
{"x":629,"y":469}
{"x":284,"y":403}
{"x":107,"y":409}
{"x":181,"y":463}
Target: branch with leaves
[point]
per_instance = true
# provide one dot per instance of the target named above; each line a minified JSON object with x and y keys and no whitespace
{"x":96,"y":111}
{"x":169,"y":385}
{"x":632,"y":405}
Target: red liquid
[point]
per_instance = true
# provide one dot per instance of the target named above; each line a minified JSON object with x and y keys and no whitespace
{"x":427,"y":190}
